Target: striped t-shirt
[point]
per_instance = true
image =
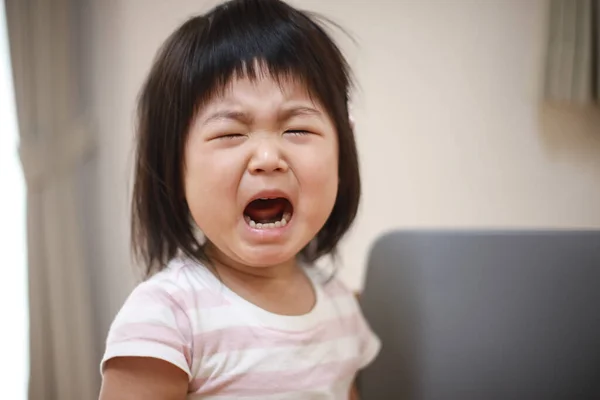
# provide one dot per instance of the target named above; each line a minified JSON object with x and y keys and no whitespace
{"x":232,"y":349}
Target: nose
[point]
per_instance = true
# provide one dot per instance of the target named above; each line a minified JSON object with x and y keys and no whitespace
{"x":267,"y":157}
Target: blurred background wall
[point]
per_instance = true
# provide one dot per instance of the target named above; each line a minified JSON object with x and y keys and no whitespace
{"x":450,"y":125}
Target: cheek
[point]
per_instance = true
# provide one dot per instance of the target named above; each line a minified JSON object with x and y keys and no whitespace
{"x":319,"y":176}
{"x":209,"y":169}
{"x":210,"y":184}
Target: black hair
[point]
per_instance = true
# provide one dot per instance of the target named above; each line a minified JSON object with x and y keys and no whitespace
{"x":199,"y":59}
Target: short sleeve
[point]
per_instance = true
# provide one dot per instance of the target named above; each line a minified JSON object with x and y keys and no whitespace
{"x":151,"y":323}
{"x":369,"y":342}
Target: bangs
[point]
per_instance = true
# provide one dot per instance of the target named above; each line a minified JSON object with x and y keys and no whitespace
{"x":258,"y":39}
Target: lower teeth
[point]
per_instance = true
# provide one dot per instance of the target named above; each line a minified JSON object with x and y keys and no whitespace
{"x":270,"y":225}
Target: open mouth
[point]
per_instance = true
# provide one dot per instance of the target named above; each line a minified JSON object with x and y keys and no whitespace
{"x":268,"y":213}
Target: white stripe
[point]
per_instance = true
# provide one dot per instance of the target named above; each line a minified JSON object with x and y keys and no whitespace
{"x":207,"y":320}
{"x":155,"y":314}
{"x":279,"y":358}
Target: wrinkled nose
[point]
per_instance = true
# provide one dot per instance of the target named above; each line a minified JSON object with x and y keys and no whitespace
{"x":267,"y":157}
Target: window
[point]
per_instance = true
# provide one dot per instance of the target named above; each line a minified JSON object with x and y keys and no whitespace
{"x":14,"y":334}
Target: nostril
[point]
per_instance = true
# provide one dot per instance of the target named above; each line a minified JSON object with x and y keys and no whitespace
{"x":263,"y":169}
{"x":267,"y":163}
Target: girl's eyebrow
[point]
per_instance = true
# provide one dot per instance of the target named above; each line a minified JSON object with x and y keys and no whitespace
{"x":288,"y":113}
{"x":239,"y":116}
{"x":246,"y":119}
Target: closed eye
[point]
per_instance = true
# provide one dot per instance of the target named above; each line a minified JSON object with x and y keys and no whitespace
{"x":230,"y":136}
{"x":297,"y":132}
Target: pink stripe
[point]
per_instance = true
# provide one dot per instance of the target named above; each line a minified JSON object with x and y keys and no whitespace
{"x":185,"y":299}
{"x":249,"y":337}
{"x":273,"y":382}
{"x":199,"y":299}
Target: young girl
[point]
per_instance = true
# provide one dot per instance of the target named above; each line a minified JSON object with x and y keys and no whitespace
{"x":246,"y":174}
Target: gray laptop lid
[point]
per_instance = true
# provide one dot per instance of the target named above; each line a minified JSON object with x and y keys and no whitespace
{"x":484,"y":315}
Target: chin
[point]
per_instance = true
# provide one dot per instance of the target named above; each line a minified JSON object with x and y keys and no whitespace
{"x":266,"y":257}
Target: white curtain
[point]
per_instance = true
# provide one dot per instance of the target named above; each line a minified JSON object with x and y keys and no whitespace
{"x":573,"y":64}
{"x":55,"y":142}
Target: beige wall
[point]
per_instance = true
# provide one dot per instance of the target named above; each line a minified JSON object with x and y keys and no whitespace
{"x":450,"y":129}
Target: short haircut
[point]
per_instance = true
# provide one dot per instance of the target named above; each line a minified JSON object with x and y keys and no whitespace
{"x":200,"y":59}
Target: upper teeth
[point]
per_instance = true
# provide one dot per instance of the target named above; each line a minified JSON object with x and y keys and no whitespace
{"x":278,"y":224}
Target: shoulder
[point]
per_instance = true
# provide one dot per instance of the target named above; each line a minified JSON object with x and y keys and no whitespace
{"x":166,"y":288}
{"x":173,"y":284}
{"x":154,"y":320}
{"x":179,"y":273}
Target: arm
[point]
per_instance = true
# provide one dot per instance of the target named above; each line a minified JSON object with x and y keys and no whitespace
{"x":354,"y":393}
{"x":143,"y":378}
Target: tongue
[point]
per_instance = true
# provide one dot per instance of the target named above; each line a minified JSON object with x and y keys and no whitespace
{"x":266,"y":210}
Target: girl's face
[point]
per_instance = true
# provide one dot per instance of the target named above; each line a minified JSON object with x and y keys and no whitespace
{"x":261,"y":171}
